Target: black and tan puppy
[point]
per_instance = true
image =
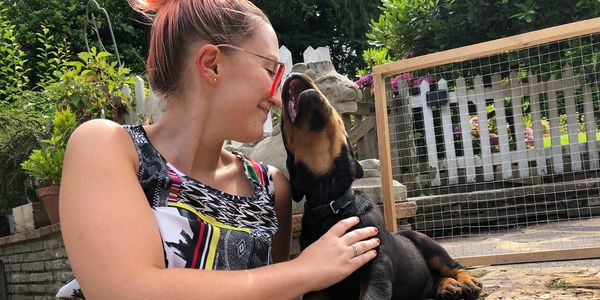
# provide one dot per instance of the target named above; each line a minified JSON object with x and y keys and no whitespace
{"x":409,"y":265}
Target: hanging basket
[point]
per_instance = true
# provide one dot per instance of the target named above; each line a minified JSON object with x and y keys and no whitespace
{"x":49,"y":198}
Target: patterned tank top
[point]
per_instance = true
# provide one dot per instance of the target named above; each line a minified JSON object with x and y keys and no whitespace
{"x":202,"y":227}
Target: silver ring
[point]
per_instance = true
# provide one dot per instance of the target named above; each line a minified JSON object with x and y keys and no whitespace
{"x":354,"y":249}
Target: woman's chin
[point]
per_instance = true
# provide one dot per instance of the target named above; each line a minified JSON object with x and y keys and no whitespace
{"x":250,"y":137}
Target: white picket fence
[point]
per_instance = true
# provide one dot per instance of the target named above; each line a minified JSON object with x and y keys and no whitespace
{"x":522,"y":161}
{"x":151,"y":105}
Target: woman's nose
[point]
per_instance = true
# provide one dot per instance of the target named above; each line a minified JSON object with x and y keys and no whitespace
{"x":276,"y":98}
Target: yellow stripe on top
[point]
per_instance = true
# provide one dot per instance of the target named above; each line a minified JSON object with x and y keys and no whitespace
{"x":207,"y":219}
{"x":210,"y":260}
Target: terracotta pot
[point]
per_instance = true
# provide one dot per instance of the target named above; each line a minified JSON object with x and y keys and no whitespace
{"x":49,"y":198}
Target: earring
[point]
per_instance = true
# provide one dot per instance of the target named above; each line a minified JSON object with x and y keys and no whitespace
{"x":215,"y":79}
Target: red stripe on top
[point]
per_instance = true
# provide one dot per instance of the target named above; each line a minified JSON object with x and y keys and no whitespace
{"x":175,"y":185}
{"x":201,"y":234}
{"x":259,"y":171}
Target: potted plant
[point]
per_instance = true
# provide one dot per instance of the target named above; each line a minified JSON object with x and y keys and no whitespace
{"x":45,"y":164}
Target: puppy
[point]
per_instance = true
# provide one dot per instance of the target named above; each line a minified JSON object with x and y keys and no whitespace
{"x":321,"y":165}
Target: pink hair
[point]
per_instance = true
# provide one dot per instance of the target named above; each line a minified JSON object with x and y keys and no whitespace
{"x":179,"y":23}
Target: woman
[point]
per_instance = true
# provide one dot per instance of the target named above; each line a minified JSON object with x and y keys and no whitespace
{"x":143,"y":208}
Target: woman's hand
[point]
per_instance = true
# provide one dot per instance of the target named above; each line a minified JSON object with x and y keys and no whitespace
{"x":338,"y":253}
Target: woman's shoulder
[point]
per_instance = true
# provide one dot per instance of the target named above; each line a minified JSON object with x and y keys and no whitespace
{"x":101,"y":135}
{"x":100,"y":130}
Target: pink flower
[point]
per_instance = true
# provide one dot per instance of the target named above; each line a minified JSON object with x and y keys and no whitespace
{"x":456,"y":130}
{"x":529,"y":137}
{"x":364,"y":81}
{"x":427,"y":78}
{"x":408,"y":55}
{"x":494,"y":139}
{"x":404,"y":76}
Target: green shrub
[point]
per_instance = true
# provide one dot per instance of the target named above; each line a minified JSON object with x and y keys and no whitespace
{"x":427,"y":26}
{"x":373,"y":57}
{"x":45,"y":164}
{"x":67,"y":19}
{"x":23,"y":124}
{"x":52,"y":55}
{"x":93,"y":87}
{"x":13,"y":73}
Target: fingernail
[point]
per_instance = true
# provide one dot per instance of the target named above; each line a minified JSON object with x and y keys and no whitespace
{"x":376,"y":230}
{"x":377,"y":240}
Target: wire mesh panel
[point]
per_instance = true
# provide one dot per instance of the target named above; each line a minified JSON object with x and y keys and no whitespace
{"x":499,"y":144}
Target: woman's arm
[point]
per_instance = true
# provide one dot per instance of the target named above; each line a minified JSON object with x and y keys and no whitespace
{"x":115,"y":249}
{"x":283,"y":209}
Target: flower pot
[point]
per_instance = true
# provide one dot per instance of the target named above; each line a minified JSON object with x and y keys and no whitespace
{"x":49,"y":198}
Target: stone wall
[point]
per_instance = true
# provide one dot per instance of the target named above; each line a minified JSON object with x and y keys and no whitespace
{"x":35,"y":264}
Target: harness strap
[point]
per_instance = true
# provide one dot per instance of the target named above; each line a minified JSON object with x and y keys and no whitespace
{"x":335,"y":206}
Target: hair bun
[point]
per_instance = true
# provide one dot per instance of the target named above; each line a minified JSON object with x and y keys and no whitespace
{"x":148,"y":5}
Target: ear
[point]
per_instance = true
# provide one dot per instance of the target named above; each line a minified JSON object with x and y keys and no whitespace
{"x":206,"y":62}
{"x":290,"y":164}
{"x":297,"y":195}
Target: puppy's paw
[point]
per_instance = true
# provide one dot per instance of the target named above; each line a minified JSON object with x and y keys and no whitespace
{"x":449,"y":289}
{"x":471,"y":287}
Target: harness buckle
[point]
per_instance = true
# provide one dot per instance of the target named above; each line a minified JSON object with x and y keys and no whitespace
{"x":335,"y":211}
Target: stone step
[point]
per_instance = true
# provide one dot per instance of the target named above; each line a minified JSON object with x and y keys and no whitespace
{"x":458,"y":213}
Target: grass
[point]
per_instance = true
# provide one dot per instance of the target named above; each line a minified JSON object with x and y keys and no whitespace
{"x":564,"y":139}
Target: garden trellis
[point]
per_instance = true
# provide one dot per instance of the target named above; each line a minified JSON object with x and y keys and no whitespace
{"x":496,"y":136}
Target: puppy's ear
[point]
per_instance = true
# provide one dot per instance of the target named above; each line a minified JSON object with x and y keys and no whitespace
{"x":358,"y":170}
{"x":297,"y":195}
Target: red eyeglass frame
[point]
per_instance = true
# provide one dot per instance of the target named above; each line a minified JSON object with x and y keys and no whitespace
{"x":276,"y":64}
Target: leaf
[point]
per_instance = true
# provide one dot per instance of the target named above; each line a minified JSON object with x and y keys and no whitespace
{"x":102,"y":55}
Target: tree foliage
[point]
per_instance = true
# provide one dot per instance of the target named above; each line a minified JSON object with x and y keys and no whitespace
{"x":426,"y":26}
{"x":67,"y":18}
{"x":13,"y":72}
{"x":339,"y":24}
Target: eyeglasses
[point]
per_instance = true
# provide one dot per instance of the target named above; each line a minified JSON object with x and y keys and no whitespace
{"x":276,"y":72}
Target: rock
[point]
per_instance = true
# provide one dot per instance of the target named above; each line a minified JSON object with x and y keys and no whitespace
{"x":372,"y":185}
{"x":341,"y":91}
{"x":370,"y":164}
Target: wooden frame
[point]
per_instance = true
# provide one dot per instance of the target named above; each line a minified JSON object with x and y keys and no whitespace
{"x":456,"y":55}
{"x":529,"y":257}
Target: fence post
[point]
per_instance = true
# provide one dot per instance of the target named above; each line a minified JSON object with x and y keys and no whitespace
{"x":316,"y":55}
{"x":404,"y":148}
